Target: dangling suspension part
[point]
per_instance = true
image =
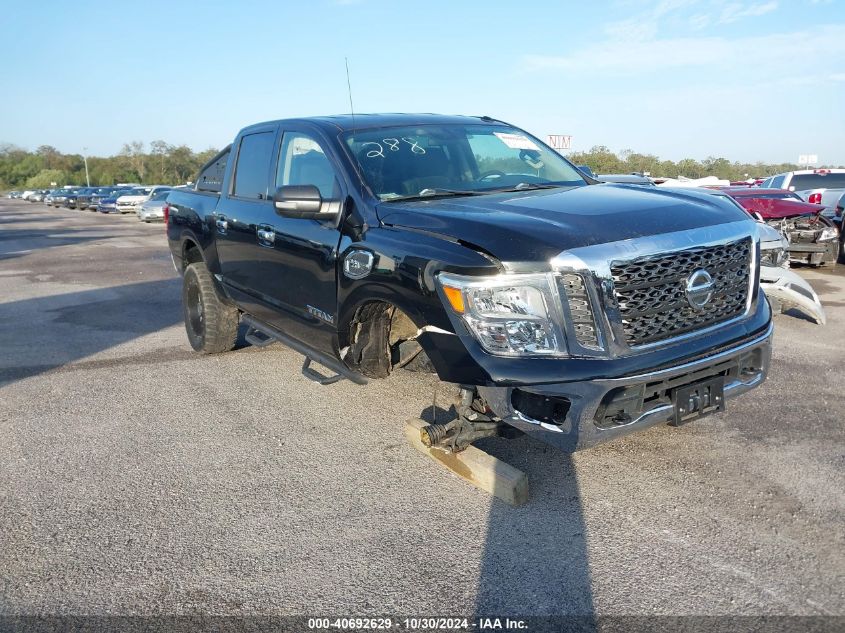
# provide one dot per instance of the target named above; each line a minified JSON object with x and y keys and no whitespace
{"x":471,"y":424}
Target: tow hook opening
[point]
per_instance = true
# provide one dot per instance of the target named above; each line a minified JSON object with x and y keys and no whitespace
{"x":541,"y":409}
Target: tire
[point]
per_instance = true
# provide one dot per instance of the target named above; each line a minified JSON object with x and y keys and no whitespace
{"x":211,"y":324}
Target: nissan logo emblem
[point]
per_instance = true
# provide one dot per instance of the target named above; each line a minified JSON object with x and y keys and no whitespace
{"x":699,"y":289}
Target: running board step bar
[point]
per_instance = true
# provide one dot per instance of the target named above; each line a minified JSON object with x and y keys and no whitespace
{"x":260,"y":334}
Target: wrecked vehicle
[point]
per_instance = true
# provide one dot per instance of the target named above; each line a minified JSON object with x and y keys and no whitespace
{"x":785,"y":289}
{"x":813,"y":238}
{"x":571,"y":310}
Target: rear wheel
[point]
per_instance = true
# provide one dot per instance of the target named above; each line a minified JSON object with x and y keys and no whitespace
{"x":211,"y":324}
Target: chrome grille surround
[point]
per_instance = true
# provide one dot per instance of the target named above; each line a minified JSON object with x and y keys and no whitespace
{"x":596,"y":264}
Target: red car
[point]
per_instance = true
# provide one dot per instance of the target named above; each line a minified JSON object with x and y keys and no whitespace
{"x":813,"y":238}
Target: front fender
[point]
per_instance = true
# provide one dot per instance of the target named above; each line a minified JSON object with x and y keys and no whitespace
{"x":402,"y":274}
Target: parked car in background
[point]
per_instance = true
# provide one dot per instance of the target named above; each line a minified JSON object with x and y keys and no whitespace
{"x":817,"y":186}
{"x":99,"y":194}
{"x":38,"y":196}
{"x":79,"y":199}
{"x":13,"y":194}
{"x":814,"y":239}
{"x":83,"y":199}
{"x":109,"y":203}
{"x":60,"y":197}
{"x":784,"y":289}
{"x":129,"y":202}
{"x":25,"y":195}
{"x":153,"y":209}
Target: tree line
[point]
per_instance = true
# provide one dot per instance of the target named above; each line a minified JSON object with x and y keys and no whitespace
{"x":604,"y":161}
{"x":161,"y":163}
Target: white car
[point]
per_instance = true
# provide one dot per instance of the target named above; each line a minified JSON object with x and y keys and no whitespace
{"x":130,"y":202}
{"x":153,"y":209}
{"x":25,"y":195}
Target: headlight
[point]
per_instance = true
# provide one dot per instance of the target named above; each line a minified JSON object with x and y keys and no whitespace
{"x":829,"y":233}
{"x":774,"y":257}
{"x":510,"y":315}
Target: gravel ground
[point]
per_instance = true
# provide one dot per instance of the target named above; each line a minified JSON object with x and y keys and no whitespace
{"x":139,"y":478}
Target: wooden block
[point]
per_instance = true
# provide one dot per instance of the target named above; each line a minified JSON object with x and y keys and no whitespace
{"x":479,"y":468}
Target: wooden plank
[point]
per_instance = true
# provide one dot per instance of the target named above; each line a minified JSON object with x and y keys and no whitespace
{"x":480,"y":469}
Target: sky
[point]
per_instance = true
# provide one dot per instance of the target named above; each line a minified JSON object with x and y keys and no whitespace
{"x":749,"y":81}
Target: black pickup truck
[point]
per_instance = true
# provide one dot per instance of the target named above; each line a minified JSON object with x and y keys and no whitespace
{"x":569,"y":309}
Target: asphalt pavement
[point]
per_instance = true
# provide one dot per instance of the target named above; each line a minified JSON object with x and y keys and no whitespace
{"x":138,"y":478}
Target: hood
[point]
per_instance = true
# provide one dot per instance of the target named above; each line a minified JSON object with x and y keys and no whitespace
{"x":779,"y":209}
{"x":537,"y":225}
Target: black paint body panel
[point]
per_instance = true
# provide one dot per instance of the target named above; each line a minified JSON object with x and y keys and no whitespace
{"x":413,"y":241}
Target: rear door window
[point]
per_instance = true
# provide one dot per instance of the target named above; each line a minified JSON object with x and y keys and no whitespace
{"x":253,"y":167}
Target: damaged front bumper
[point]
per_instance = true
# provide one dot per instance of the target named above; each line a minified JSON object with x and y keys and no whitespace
{"x":814,"y":254}
{"x":786,"y":290}
{"x":577,"y":415}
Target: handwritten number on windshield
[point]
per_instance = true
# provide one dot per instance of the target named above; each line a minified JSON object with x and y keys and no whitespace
{"x":393,"y":145}
{"x":373,"y":153}
{"x":416,"y":149}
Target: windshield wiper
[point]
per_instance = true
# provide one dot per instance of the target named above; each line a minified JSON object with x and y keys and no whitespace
{"x":437,"y":192}
{"x":528,"y":186}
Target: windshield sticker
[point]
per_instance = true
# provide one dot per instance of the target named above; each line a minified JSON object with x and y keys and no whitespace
{"x":516,"y":141}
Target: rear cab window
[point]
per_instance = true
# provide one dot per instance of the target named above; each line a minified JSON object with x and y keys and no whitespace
{"x":802,"y":182}
{"x":211,"y":175}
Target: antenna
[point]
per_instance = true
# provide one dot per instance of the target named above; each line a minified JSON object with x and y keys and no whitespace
{"x":349,"y":88}
{"x":352,"y":112}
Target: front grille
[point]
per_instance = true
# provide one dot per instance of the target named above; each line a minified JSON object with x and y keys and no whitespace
{"x":581,"y":311}
{"x":650,"y":291}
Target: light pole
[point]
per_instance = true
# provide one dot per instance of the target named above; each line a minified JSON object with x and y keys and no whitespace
{"x":85,"y":160}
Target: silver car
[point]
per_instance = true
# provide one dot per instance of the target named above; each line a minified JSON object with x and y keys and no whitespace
{"x":153,"y":209}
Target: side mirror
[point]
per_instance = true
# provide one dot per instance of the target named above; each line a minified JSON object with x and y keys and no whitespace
{"x":298,"y":201}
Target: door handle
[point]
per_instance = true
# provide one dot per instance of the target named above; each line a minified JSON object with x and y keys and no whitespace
{"x":266,"y":236}
{"x":222,"y":225}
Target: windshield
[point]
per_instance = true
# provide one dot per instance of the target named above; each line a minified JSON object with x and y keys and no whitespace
{"x":411,"y":162}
